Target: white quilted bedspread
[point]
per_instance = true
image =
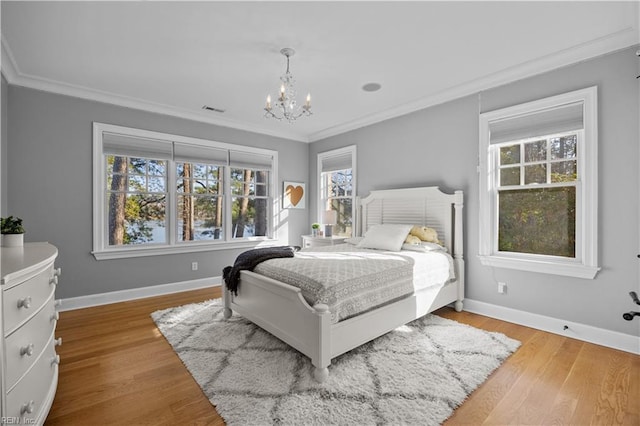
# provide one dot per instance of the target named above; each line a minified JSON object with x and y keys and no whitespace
{"x":351,"y":280}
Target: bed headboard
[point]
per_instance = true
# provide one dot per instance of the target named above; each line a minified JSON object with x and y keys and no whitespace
{"x":426,"y":206}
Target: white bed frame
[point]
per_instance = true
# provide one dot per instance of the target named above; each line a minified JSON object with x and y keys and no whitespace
{"x":281,"y":310}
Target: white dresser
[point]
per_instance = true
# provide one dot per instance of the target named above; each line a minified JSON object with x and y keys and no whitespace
{"x":27,"y":346}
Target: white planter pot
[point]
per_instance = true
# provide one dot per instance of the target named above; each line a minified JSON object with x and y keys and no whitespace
{"x":12,"y":240}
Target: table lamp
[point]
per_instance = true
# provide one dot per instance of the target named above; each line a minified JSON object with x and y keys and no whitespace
{"x":329,"y":218}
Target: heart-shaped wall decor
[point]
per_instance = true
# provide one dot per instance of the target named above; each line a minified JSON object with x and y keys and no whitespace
{"x":294,"y":193}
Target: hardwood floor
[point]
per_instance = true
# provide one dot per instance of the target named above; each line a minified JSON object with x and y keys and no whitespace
{"x":118,"y":369}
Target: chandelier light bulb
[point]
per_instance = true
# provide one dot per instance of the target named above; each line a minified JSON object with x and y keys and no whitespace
{"x":287,"y":107}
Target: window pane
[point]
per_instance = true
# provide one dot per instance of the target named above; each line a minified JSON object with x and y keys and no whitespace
{"x":137,"y":183}
{"x":157,"y":168}
{"x":250,"y":205}
{"x":135,"y":202}
{"x":241,"y":182}
{"x":564,"y":171}
{"x":137,"y":166}
{"x":136,"y":218}
{"x":540,"y":221}
{"x":535,"y":174}
{"x":156,"y":184}
{"x":344,"y":226}
{"x":120,"y":163}
{"x":564,"y":147}
{"x":199,"y":209}
{"x":199,"y":170}
{"x":249,"y":217}
{"x":510,"y":154}
{"x":510,"y":176}
{"x":535,"y":151}
{"x":199,"y":218}
{"x":338,"y":183}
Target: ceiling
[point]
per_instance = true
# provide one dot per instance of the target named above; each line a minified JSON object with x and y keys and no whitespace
{"x":175,"y":57}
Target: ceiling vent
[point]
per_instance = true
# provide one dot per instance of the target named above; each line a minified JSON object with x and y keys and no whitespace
{"x":209,"y":108}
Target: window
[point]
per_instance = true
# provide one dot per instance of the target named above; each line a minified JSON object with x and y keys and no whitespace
{"x":156,"y":193}
{"x":538,"y":186}
{"x":337,"y":187}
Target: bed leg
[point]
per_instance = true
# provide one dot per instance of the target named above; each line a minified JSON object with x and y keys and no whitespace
{"x":226,"y":300}
{"x":458,"y":306}
{"x":322,"y":358}
{"x":320,"y":374}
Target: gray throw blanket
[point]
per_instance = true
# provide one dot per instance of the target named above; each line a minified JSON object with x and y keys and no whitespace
{"x":250,"y":259}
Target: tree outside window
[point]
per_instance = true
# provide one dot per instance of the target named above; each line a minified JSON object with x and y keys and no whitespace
{"x":156,"y":193}
{"x":537,"y":196}
{"x":338,"y":195}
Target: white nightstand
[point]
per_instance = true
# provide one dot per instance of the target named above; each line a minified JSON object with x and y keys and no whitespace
{"x":311,"y":241}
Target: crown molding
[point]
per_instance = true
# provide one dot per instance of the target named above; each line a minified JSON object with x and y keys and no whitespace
{"x":17,"y":78}
{"x":597,"y":47}
{"x":619,"y":40}
{"x":7,"y":62}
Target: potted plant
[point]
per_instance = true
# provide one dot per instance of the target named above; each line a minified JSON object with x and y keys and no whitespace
{"x":12,"y":231}
{"x":314,"y":229}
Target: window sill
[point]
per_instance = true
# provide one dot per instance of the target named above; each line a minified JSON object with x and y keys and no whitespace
{"x":129,"y":252}
{"x":554,"y":267}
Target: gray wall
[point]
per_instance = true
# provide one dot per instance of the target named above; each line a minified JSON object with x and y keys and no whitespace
{"x":439,"y":146}
{"x":50,"y":187}
{"x":3,"y":146}
{"x":48,"y":161}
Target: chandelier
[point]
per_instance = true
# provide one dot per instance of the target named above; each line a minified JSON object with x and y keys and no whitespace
{"x":286,"y":106}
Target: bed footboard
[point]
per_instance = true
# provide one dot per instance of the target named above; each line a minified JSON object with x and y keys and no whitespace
{"x":281,"y":310}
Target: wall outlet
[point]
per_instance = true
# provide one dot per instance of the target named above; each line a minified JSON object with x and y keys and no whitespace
{"x":502,"y":288}
{"x":194,"y":266}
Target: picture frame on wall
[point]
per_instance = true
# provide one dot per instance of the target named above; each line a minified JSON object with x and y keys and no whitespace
{"x":293,"y":195}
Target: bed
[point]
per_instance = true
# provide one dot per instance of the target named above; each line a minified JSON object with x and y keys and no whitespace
{"x":282,"y":310}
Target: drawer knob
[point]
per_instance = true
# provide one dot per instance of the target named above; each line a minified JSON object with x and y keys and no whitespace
{"x":25,"y":303}
{"x":27,"y":350}
{"x":27,"y":407}
{"x":53,"y":280}
{"x":55,"y":360}
{"x":58,"y":341}
{"x":55,"y":316}
{"x":57,"y":272}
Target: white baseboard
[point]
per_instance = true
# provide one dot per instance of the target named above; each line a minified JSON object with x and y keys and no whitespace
{"x":587,"y":333}
{"x":135,"y":293}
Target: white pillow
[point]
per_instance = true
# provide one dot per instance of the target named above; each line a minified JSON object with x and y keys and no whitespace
{"x":385,"y":237}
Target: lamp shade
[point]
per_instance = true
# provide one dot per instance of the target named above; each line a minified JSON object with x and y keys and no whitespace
{"x":330,"y":217}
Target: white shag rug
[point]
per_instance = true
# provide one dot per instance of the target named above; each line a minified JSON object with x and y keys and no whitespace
{"x":417,"y":374}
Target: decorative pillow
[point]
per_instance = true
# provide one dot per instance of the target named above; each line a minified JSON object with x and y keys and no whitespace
{"x":425,"y":233}
{"x":412,"y":239}
{"x":385,"y":237}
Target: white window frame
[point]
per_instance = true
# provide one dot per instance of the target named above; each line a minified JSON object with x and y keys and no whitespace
{"x":585,"y":263}
{"x":101,"y":248}
{"x":351,"y":150}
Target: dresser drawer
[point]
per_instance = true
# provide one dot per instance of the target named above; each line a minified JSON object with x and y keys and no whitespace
{"x":29,"y":399}
{"x":21,"y":301}
{"x":26,"y":344}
